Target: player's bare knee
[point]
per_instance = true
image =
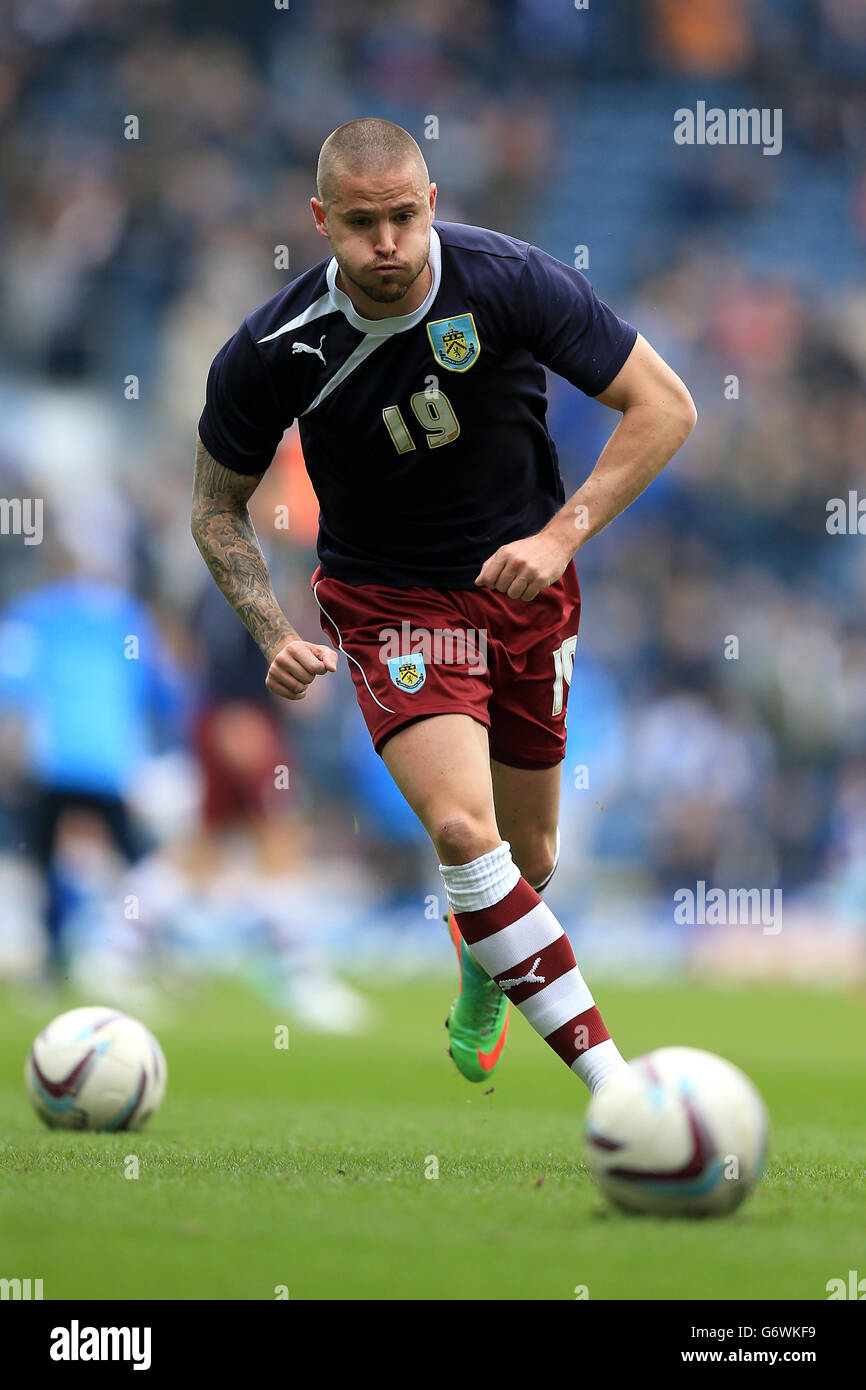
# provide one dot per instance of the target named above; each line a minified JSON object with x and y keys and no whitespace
{"x":460,"y":838}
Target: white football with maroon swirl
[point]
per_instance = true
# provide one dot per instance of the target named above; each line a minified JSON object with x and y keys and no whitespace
{"x":682,"y":1133}
{"x":95,"y":1068}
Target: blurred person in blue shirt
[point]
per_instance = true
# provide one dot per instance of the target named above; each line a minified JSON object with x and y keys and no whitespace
{"x":87,"y":682}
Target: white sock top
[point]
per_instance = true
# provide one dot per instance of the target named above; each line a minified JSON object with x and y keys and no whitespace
{"x":483,"y":882}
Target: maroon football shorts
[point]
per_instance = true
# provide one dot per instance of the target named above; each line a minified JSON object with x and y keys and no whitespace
{"x":416,"y":652}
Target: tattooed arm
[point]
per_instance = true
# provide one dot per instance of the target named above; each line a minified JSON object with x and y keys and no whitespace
{"x":224,"y":533}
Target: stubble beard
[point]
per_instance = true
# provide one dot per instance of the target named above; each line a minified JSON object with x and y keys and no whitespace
{"x":381,"y":293}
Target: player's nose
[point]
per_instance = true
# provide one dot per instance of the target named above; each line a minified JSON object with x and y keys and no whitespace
{"x":385,"y":242}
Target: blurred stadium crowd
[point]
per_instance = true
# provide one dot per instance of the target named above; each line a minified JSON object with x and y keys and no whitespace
{"x":718,"y":707}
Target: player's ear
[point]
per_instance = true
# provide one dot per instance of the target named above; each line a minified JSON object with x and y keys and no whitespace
{"x":319,"y":214}
{"x":433,"y":191}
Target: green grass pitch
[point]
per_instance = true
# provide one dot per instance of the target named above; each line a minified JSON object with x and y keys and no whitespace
{"x":305,"y":1167}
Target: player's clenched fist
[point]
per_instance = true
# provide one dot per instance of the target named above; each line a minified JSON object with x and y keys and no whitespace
{"x":296,"y":665}
{"x":522,"y":569}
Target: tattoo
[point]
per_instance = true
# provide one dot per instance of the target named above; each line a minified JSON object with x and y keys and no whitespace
{"x":224,"y":533}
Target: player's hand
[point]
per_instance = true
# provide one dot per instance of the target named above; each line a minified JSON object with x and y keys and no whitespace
{"x":522,"y":569}
{"x":296,"y":666}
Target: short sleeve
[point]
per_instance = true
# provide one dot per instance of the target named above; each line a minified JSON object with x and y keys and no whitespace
{"x":567,"y":327}
{"x":242,"y":422}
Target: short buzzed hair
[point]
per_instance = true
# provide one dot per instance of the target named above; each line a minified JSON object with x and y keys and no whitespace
{"x":369,"y":145}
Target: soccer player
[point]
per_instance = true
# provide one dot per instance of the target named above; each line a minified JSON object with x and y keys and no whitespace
{"x":413,"y":361}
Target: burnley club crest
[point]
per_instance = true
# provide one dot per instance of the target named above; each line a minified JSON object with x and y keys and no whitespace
{"x":407,"y":672}
{"x":455,"y":342}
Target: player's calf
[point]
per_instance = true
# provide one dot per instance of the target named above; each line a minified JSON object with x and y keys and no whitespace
{"x":537,"y":863}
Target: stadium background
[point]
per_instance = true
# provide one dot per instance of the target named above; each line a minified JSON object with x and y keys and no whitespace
{"x":126,"y":263}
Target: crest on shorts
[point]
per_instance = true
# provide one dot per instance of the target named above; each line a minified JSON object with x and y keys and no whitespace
{"x":407,"y":672}
{"x":455,"y":342}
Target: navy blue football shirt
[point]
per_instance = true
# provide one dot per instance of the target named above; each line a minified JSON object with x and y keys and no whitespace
{"x":424,"y":435}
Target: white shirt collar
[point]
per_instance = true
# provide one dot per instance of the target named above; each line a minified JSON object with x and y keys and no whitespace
{"x":380,"y":328}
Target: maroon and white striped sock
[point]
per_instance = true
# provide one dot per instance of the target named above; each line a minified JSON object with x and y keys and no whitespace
{"x":515,"y":937}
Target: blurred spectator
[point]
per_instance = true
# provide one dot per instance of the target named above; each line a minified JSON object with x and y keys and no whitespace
{"x":707,"y":38}
{"x":87,"y":682}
